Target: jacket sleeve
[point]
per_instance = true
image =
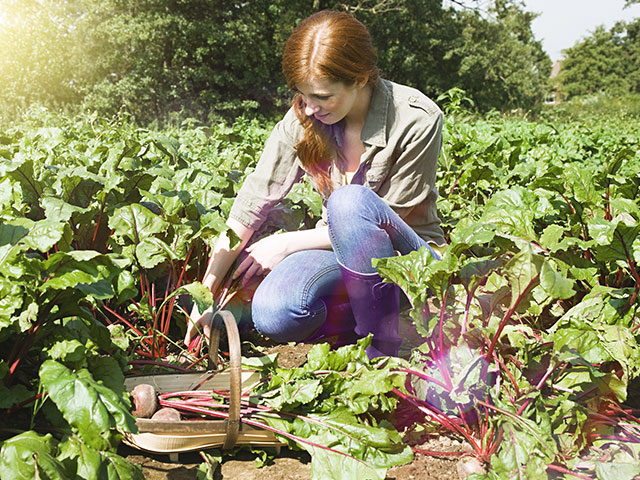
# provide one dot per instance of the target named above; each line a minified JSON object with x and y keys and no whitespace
{"x":276,"y":172}
{"x":410,"y":184}
{"x":412,"y":176}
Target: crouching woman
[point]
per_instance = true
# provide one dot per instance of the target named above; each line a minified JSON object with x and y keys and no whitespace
{"x":370,"y":147}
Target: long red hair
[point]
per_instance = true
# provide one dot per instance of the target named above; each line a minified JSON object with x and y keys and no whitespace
{"x":334,"y":46}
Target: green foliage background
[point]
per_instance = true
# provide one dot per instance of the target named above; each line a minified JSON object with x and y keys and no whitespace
{"x":107,"y":212}
{"x":542,"y":223}
{"x":160,"y":60}
{"x":603,"y":62}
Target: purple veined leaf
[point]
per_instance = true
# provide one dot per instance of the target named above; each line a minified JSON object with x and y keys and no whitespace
{"x":618,"y":244}
{"x":523,"y":272}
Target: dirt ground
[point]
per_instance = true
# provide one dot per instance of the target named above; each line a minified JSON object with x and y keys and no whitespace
{"x":289,"y":465}
{"x":295,"y":465}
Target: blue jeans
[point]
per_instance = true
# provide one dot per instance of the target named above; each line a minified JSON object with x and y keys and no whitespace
{"x":292,"y":301}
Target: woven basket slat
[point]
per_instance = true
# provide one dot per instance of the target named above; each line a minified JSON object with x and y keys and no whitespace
{"x":190,"y":435}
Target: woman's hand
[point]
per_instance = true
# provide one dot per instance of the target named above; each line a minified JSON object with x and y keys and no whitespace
{"x":220,"y":261}
{"x":263,"y":256}
{"x":198,"y":323}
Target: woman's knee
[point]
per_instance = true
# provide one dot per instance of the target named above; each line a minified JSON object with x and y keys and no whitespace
{"x":349,"y":203}
{"x":349,"y":197}
{"x":286,"y":305}
{"x":277,"y":317}
{"x":270,"y":306}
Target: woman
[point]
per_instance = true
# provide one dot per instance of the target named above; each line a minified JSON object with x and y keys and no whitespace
{"x":370,"y":147}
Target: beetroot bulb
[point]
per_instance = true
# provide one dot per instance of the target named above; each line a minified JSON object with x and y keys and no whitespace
{"x":145,"y":400}
{"x":167,"y":414}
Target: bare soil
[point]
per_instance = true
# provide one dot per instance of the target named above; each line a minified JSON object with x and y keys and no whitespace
{"x":288,"y":464}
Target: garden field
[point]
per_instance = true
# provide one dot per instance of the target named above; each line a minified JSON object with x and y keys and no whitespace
{"x":529,"y":358}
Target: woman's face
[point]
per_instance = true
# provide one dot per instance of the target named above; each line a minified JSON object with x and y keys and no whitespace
{"x":328,"y":101}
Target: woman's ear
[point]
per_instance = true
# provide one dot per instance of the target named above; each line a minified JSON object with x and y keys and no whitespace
{"x":362,"y":82}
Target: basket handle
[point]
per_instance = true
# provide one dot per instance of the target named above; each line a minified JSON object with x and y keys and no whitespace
{"x":233,"y":339}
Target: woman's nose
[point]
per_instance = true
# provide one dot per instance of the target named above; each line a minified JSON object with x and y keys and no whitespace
{"x":310,"y":109}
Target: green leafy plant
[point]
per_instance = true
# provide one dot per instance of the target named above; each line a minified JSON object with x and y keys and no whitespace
{"x":336,"y":407}
{"x":530,"y":320}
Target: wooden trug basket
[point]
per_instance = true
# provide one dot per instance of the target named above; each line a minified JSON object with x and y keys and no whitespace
{"x":192,"y":435}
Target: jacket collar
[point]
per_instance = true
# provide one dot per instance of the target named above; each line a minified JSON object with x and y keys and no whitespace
{"x":374,"y":131}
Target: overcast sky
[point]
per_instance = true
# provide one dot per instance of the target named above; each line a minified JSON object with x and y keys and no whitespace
{"x":562,"y":23}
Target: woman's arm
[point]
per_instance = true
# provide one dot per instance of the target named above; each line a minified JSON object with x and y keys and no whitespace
{"x":223,"y":256}
{"x":262,"y":257}
{"x":265,"y":254}
{"x":221,"y":259}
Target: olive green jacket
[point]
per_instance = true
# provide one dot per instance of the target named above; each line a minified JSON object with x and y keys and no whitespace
{"x":402,"y":136}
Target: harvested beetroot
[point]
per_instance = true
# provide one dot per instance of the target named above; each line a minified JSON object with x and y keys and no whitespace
{"x":145,"y":400}
{"x":468,"y":466}
{"x":167,"y":414}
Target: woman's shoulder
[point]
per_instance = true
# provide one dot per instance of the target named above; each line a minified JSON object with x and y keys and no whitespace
{"x":408,"y":99}
{"x":289,"y":127}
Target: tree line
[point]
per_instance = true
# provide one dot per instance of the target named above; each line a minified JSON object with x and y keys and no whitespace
{"x":605,"y":61}
{"x":166,"y":60}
